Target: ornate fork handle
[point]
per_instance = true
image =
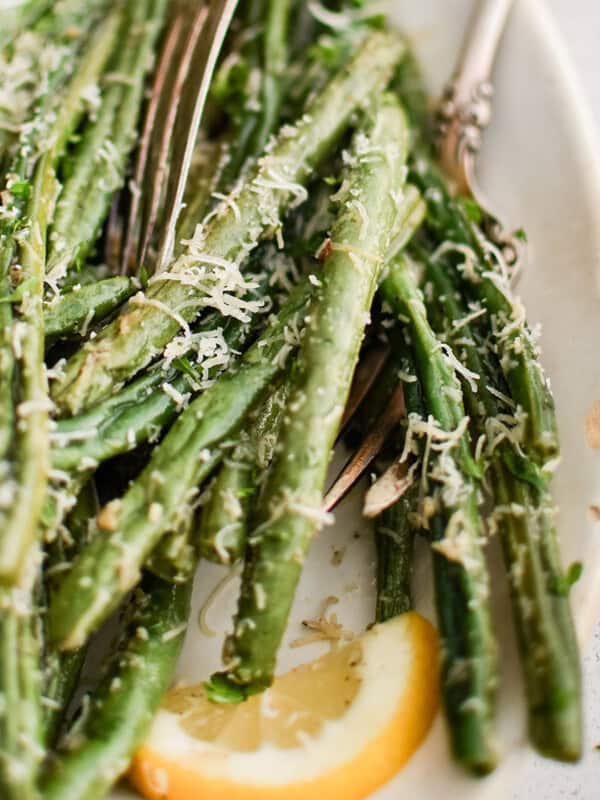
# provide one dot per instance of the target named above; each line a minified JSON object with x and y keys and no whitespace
{"x":465,"y":110}
{"x":459,"y":130}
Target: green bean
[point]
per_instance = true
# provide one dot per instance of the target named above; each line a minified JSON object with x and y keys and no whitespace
{"x":452,"y":513}
{"x":98,"y":163}
{"x":62,"y":670}
{"x":71,"y":313}
{"x":19,"y":521}
{"x":290,"y":505}
{"x":97,"y":751}
{"x":223,"y":525}
{"x":21,"y":743}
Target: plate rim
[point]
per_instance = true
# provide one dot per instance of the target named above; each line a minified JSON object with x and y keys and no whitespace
{"x":586,"y":615}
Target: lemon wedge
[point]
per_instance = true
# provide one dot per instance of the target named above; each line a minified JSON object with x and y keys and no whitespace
{"x":338,"y":727}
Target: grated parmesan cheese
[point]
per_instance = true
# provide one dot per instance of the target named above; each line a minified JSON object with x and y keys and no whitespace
{"x":180,"y":400}
{"x":470,"y":377}
{"x":214,"y":595}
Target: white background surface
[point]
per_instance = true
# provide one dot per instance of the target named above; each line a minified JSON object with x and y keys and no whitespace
{"x":579,"y":22}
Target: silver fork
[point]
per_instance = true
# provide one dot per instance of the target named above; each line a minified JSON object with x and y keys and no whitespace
{"x":465,"y":110}
{"x":190,"y":48}
{"x":463,"y":113}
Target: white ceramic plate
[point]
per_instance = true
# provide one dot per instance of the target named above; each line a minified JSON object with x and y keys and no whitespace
{"x":539,"y":165}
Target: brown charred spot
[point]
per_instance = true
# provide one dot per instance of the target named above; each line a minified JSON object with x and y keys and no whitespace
{"x":325,"y":250}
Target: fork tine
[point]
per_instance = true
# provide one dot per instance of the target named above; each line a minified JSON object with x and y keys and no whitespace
{"x":388,"y":488}
{"x":159,"y":162}
{"x":184,"y":72}
{"x":114,"y":236}
{"x":368,"y":449}
{"x":368,"y":370}
{"x":162,"y":73}
{"x":203,"y":61}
